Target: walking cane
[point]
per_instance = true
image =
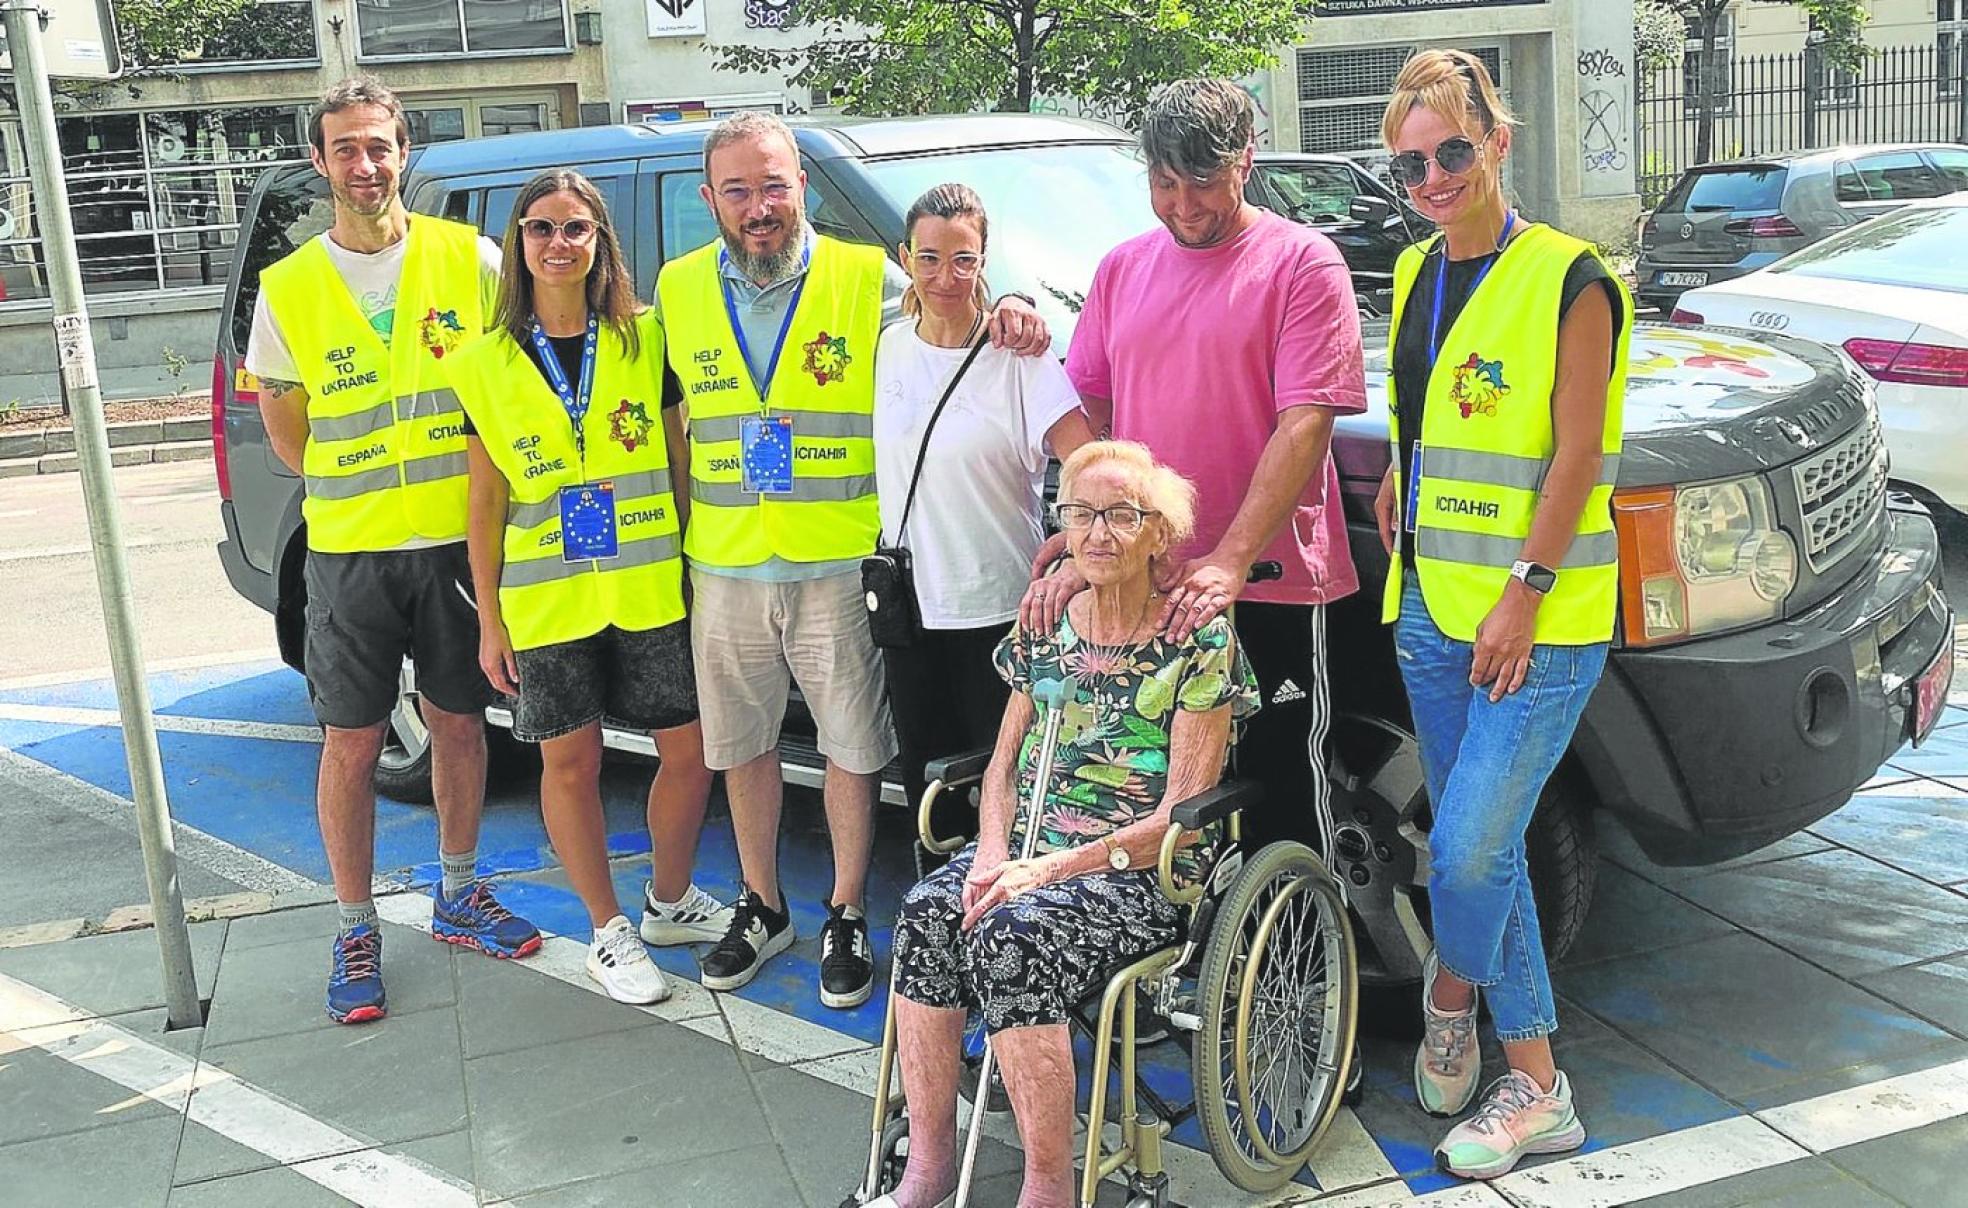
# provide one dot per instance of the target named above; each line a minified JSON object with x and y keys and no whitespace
{"x":1054,"y":695}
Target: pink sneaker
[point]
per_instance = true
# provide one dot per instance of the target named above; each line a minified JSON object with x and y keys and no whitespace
{"x":1516,"y":1118}
{"x":1448,"y":1059}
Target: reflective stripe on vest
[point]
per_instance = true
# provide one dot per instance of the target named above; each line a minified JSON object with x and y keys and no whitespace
{"x":1486,"y":446}
{"x":824,"y":384}
{"x":545,"y":599}
{"x":385,"y":460}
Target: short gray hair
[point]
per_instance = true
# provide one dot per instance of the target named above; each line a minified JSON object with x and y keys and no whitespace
{"x":748,"y":124}
{"x":1197,"y":127}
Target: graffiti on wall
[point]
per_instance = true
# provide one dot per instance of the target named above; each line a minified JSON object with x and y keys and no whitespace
{"x":1605,"y":129}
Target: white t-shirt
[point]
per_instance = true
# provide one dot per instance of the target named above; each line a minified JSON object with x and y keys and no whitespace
{"x":372,"y":279}
{"x":975,"y":526}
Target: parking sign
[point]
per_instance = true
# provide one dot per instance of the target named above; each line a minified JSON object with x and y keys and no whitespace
{"x":79,"y":39}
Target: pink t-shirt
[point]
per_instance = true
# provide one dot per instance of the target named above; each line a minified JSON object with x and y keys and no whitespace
{"x":1200,"y":349}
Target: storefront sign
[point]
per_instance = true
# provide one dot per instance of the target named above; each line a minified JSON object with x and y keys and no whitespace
{"x":1375,"y":8}
{"x":676,"y":18}
{"x":768,"y":14}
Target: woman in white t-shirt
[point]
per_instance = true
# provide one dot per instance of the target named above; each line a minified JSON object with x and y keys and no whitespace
{"x":974,"y":527}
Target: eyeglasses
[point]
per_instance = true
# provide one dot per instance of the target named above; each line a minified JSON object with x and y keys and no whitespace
{"x":577,"y":230}
{"x":1123,"y":519}
{"x":964,"y":265}
{"x":775,"y":194}
{"x":1456,"y":154}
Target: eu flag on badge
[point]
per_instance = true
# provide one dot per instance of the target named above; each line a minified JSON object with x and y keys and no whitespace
{"x":587,"y":522}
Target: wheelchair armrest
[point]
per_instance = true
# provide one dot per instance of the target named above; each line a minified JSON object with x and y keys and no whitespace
{"x":1214,"y":805}
{"x":959,"y":769}
{"x":949,"y":772}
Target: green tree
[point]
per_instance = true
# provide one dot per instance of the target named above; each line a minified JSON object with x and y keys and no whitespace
{"x":887,"y":57}
{"x":158,"y":33}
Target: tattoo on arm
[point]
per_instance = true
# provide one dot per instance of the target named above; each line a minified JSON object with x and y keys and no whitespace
{"x":278,"y":385}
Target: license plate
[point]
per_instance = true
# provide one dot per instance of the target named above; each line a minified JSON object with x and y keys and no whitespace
{"x":1684,"y":278}
{"x":1930,"y":691}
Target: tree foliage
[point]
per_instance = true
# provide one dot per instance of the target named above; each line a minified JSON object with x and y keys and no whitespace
{"x":157,"y":33}
{"x":886,"y":57}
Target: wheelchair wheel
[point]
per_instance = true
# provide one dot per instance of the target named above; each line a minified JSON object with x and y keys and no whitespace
{"x":894,"y":1158}
{"x":1279,"y":993}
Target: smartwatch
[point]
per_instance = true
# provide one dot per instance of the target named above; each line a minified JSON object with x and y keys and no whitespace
{"x":1534,"y":575}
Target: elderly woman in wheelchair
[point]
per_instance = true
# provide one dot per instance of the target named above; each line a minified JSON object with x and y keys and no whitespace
{"x":1022,"y":940}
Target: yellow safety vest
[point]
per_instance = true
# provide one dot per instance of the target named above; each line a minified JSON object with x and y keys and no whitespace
{"x":825,"y":383}
{"x":1486,"y":444}
{"x":544,"y":598}
{"x":385,"y":461}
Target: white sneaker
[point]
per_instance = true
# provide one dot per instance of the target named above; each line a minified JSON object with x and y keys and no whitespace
{"x":698,"y":919}
{"x":621,"y":964}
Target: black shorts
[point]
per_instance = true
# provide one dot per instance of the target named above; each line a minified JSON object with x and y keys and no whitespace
{"x":366,"y":612}
{"x":633,"y":679}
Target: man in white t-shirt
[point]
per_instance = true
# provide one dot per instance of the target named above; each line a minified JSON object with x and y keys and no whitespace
{"x":348,"y":338}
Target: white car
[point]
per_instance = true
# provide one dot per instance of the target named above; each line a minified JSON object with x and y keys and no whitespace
{"x":1893,"y":293}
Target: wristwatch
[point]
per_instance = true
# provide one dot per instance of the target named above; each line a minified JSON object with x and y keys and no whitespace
{"x":1534,"y":575}
{"x":1027,"y":299}
{"x":1117,"y":856}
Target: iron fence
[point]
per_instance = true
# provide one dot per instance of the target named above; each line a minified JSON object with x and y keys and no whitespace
{"x":1769,"y":104}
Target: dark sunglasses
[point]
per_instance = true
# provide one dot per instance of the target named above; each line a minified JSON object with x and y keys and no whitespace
{"x":577,"y":230}
{"x":1456,"y":154}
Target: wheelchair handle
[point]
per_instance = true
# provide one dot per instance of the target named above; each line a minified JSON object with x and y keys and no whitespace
{"x":1270,"y":568}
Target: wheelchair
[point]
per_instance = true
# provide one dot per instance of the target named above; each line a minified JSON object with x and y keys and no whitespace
{"x":1262,"y":990}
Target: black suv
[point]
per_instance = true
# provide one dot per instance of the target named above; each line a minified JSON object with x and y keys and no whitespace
{"x":1782,"y":626}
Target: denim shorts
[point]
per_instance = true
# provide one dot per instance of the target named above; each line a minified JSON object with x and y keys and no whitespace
{"x":632,"y":679}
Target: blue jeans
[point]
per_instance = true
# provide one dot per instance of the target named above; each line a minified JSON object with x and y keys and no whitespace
{"x":1485,"y":765}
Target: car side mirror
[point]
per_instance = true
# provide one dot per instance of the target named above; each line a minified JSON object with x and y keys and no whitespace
{"x":1373,"y":211}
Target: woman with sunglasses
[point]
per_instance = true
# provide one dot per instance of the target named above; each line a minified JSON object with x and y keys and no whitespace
{"x":1509,"y":342}
{"x":575,"y":551}
{"x":972,"y":527}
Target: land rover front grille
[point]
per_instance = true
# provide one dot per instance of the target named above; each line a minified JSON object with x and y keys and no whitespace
{"x":1842,"y":491}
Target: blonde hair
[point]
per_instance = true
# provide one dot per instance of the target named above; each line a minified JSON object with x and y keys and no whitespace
{"x":1154,"y":487}
{"x":949,"y":201}
{"x":1452,"y":84}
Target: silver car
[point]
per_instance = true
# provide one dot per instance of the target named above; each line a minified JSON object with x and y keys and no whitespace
{"x":1721,"y":221}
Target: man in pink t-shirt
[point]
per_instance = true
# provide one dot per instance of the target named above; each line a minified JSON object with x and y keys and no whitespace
{"x":1227,"y":342}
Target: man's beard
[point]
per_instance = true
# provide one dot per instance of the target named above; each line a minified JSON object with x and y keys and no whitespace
{"x":769,"y":266}
{"x":385,"y":198}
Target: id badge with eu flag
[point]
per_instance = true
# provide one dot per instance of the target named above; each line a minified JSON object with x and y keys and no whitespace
{"x":587,"y":522}
{"x":767,"y":444}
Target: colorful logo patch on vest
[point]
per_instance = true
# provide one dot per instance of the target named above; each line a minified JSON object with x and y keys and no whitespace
{"x":440,"y":331}
{"x":629,"y":425}
{"x":1478,"y":386}
{"x":827,"y":358}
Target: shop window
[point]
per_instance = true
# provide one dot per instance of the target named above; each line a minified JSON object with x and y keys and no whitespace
{"x":268,"y":32}
{"x":423,"y":28}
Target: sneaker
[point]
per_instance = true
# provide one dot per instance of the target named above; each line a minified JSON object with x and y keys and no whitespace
{"x":847,"y":960}
{"x":355,"y":976}
{"x":621,"y":964}
{"x":1516,"y":1119}
{"x":755,"y":936}
{"x":474,"y":919}
{"x":1449,"y":1060}
{"x":698,"y":919}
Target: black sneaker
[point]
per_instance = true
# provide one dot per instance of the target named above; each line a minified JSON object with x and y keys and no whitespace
{"x":847,"y":960}
{"x":757,"y":934}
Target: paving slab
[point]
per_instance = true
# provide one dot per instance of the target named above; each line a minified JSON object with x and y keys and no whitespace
{"x":1937,"y":990}
{"x":112,"y":974}
{"x":1923,"y":835}
{"x":754,"y":1177}
{"x":1921,"y":1166}
{"x":1740,"y":1015}
{"x":277,"y":989}
{"x":119,"y":1166}
{"x":1805,"y":1183}
{"x":1840,"y":910}
{"x":504,"y":1007}
{"x":257,"y":1189}
{"x":1631,"y":914}
{"x":316,"y":924}
{"x":1945,"y":753}
{"x":43,"y":1096}
{"x":606,"y":1105}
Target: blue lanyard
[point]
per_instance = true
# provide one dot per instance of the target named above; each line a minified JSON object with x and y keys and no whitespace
{"x":576,"y":404}
{"x":738,"y":329}
{"x":1442,"y":287}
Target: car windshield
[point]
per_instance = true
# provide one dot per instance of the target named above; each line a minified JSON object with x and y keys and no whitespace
{"x":1054,"y":212}
{"x":1920,"y":248}
{"x":1732,"y":189}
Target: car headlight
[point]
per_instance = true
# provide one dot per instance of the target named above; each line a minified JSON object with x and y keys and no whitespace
{"x":1701,"y":559}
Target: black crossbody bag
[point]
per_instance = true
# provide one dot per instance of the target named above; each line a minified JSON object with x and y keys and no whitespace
{"x":888,"y":576}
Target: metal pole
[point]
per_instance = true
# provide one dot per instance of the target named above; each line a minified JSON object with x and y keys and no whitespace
{"x":77,"y":356}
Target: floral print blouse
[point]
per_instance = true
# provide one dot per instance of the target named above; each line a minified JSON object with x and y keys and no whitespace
{"x":1112,"y":764}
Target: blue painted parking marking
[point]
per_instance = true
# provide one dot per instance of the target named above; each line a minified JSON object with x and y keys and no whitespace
{"x":257,"y":793}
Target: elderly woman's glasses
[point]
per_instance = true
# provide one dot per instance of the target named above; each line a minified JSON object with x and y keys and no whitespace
{"x":1456,"y":154}
{"x":577,"y":230}
{"x":964,"y":266}
{"x":1123,"y":519}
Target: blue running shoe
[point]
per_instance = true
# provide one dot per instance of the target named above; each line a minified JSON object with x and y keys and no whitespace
{"x":474,"y":919}
{"x":355,"y":976}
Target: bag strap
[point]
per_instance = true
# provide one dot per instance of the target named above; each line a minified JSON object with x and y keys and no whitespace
{"x":909,"y":503}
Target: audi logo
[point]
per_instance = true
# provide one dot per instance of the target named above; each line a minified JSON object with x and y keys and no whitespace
{"x":1769,"y":320}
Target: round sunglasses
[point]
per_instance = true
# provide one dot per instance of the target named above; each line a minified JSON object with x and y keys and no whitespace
{"x":577,"y":230}
{"x":1456,"y":154}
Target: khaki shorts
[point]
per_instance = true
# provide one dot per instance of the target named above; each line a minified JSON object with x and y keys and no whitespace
{"x":753,"y":639}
